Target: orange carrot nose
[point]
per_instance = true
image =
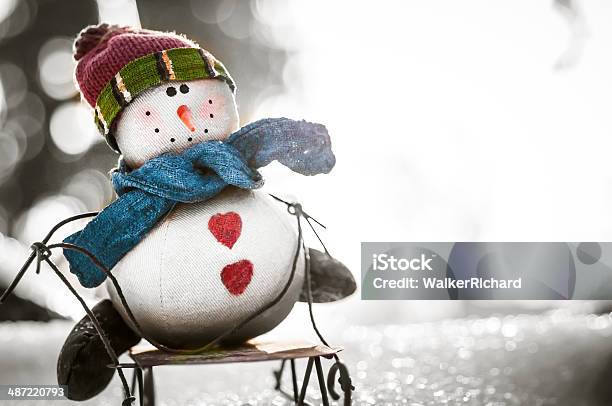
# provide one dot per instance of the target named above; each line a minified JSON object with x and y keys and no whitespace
{"x":184,"y":114}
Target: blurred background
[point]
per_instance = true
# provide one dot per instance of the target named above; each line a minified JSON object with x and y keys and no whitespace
{"x":451,"y":121}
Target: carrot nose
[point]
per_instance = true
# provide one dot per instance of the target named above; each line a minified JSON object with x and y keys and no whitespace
{"x":184,"y":114}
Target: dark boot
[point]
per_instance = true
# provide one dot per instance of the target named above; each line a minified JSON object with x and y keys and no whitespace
{"x":330,"y":280}
{"x":83,"y":360}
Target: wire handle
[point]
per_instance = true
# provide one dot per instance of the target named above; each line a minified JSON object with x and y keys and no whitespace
{"x":345,"y":378}
{"x":35,"y":252}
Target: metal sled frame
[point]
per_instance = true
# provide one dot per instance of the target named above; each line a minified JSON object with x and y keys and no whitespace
{"x":145,"y":361}
{"x":41,"y":252}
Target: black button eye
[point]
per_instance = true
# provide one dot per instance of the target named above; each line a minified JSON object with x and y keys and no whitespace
{"x":171,"y":91}
{"x":184,"y":88}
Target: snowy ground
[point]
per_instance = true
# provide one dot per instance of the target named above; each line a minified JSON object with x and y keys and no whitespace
{"x":560,"y":357}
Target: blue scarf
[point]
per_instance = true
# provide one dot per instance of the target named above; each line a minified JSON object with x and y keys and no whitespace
{"x":147,"y":194}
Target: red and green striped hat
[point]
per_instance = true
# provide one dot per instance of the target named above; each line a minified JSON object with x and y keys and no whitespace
{"x":116,"y":64}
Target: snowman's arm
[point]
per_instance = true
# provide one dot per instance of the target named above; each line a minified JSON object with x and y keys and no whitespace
{"x":330,"y":280}
{"x":301,"y":146}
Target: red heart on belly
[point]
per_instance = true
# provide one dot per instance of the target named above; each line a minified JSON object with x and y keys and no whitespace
{"x":226,"y":227}
{"x":237,"y":276}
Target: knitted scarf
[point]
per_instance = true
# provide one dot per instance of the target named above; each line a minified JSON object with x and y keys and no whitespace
{"x":147,"y":194}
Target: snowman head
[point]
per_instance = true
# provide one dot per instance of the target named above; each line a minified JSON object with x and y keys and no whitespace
{"x":173,"y":117}
{"x":153,"y":92}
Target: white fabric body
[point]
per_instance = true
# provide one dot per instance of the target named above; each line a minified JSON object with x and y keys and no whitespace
{"x":172,"y":281}
{"x":150,"y":125}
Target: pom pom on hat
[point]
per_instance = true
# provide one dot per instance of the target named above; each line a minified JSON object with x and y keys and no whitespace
{"x":91,"y":36}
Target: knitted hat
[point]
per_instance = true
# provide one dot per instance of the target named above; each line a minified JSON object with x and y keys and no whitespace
{"x":115,"y":64}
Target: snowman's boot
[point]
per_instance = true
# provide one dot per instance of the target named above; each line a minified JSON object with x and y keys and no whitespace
{"x":83,"y":361}
{"x":330,"y":279}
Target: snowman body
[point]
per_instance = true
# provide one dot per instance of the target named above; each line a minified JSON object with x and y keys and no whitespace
{"x":208,"y":266}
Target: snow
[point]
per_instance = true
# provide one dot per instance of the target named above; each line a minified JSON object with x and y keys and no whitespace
{"x":559,"y":357}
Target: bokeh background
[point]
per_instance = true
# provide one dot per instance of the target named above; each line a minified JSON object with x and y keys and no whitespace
{"x":451,"y":121}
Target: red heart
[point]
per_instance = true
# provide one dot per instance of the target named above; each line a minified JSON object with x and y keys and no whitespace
{"x":226,"y":227}
{"x":237,"y":276}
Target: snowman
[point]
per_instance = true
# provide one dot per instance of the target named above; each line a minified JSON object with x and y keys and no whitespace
{"x":194,"y":247}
